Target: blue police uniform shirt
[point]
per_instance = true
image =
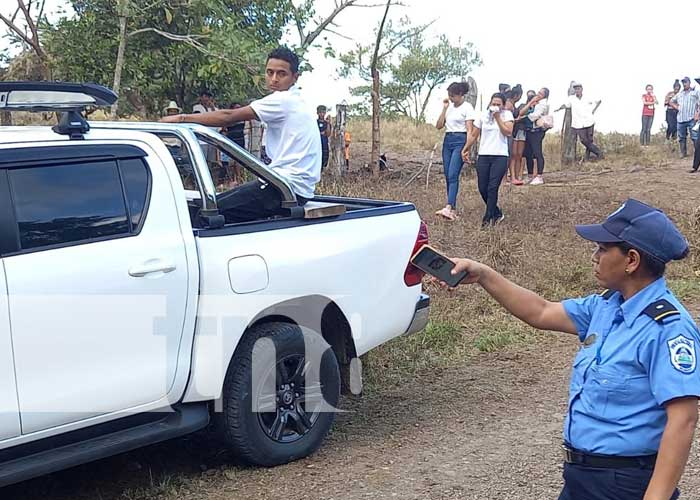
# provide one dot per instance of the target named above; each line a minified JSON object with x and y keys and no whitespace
{"x":628,"y":366}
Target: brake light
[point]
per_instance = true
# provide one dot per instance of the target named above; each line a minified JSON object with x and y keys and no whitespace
{"x":413,"y":276}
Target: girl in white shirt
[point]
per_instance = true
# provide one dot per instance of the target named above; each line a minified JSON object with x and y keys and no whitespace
{"x":457,"y":117}
{"x":494,"y":126}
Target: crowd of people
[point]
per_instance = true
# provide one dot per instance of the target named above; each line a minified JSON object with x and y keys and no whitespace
{"x":509,"y":131}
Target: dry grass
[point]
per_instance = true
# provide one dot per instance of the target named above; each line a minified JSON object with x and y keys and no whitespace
{"x":536,"y":247}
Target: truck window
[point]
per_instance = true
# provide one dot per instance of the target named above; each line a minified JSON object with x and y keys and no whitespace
{"x":73,"y":203}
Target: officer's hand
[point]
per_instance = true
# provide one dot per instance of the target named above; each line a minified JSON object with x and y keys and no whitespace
{"x":474,"y":270}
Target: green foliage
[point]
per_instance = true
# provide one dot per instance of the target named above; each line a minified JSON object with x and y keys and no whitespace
{"x":175,"y":48}
{"x":411,"y":69}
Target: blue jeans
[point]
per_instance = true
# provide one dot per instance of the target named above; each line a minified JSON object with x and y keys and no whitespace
{"x":683,"y":128}
{"x":452,"y":163}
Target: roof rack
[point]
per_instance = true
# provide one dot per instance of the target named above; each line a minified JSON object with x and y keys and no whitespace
{"x":70,"y":99}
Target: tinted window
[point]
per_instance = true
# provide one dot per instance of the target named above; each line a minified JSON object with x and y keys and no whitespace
{"x":68,"y":203}
{"x":135,"y":177}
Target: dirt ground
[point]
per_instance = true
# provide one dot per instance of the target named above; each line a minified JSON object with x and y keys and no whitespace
{"x":485,"y":427}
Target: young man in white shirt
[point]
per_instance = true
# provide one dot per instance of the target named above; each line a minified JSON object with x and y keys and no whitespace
{"x":292,"y":141}
{"x":582,"y":120}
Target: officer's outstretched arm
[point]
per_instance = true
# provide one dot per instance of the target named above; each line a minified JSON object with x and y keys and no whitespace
{"x":520,"y":302}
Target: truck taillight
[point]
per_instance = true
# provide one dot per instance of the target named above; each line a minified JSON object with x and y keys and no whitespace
{"x":413,"y":276}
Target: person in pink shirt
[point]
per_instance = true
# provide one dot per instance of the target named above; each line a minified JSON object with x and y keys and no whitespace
{"x":649,"y":103}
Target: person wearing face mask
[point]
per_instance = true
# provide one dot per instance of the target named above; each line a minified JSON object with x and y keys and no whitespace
{"x":456,"y":118}
{"x":492,"y":128}
{"x":633,"y":396}
{"x":292,"y":139}
{"x":649,"y":103}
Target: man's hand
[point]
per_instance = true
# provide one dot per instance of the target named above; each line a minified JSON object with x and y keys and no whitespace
{"x":465,"y":156}
{"x":445,"y":103}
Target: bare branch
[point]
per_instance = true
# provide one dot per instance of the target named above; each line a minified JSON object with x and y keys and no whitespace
{"x":308,"y":39}
{"x":30,"y":23}
{"x":14,"y":16}
{"x":17,"y":31}
{"x":339,"y":34}
{"x":406,"y":36}
{"x":41,"y":11}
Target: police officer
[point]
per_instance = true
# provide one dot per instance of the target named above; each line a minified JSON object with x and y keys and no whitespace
{"x":633,"y":401}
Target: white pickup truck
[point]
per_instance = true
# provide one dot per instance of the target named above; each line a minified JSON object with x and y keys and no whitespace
{"x":130,"y":310}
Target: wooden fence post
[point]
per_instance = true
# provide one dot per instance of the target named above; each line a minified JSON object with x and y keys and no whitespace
{"x":568,"y":136}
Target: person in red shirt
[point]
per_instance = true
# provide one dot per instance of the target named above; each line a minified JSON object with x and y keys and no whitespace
{"x":649,"y":103}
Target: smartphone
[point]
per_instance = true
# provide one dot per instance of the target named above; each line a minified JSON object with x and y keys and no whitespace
{"x":434,"y":263}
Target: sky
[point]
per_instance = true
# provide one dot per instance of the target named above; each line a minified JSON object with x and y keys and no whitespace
{"x":613,"y":47}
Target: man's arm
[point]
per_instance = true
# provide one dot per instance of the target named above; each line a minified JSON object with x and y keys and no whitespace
{"x":520,"y":302}
{"x":675,"y":446}
{"x":219,"y":118}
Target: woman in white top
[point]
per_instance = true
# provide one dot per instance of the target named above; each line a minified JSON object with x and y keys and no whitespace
{"x":457,"y":117}
{"x":494,"y":126}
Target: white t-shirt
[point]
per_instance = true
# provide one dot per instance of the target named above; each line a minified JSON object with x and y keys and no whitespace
{"x":492,"y":141}
{"x":581,"y":111}
{"x":292,"y":140}
{"x":456,"y":117}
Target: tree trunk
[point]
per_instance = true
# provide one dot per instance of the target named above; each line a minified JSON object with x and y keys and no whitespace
{"x":568,"y":137}
{"x":376,"y":88}
{"x":5,"y":118}
{"x":338,"y":142}
{"x":120,"y":55}
{"x":376,"y":132}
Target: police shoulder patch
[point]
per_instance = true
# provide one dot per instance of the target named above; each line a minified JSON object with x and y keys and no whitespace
{"x":661,"y":309}
{"x":682,"y":351}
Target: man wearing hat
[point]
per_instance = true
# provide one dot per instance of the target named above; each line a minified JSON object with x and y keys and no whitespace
{"x":171,"y":109}
{"x":687,"y":102}
{"x":633,"y":400}
{"x":582,"y":120}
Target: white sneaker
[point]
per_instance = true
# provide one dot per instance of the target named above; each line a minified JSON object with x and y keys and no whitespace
{"x":537,"y":181}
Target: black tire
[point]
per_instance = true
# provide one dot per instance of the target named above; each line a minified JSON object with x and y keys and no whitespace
{"x":255,"y":436}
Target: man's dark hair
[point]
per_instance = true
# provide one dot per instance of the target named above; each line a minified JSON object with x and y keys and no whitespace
{"x":458,"y":88}
{"x":205,"y":93}
{"x":546,"y":92}
{"x":503,"y":88}
{"x":653,"y":266}
{"x":285,"y":54}
{"x":321,"y":109}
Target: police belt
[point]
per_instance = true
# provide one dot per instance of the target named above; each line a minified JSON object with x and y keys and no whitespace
{"x":573,"y":456}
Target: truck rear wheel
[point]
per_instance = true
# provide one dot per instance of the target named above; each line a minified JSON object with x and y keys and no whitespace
{"x":279,"y":394}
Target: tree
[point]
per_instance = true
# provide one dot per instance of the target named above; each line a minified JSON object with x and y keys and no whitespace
{"x":26,"y":30}
{"x":422,"y":69}
{"x":309,"y":26}
{"x":413,"y":70}
{"x":171,"y":49}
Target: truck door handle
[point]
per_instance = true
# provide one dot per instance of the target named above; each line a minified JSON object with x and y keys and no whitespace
{"x":151,"y":267}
